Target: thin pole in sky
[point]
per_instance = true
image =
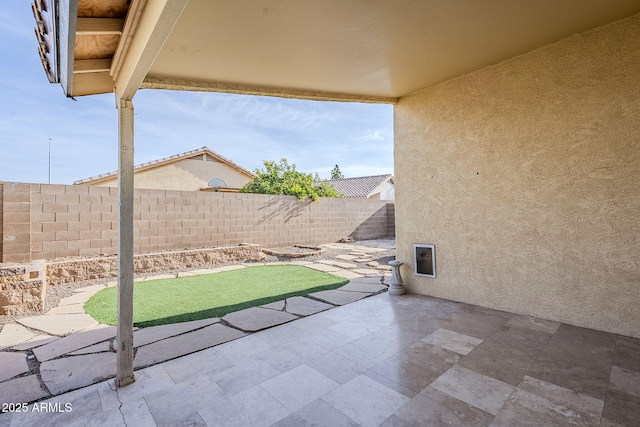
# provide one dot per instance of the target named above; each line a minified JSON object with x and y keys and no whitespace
{"x":49,"y":160}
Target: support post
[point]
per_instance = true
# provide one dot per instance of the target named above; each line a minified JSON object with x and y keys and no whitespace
{"x":124,"y":373}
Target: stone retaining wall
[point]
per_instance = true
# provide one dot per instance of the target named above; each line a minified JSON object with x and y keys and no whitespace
{"x":23,"y":288}
{"x":76,"y":270}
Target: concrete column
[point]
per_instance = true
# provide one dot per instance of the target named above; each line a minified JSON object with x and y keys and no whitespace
{"x":124,"y":373}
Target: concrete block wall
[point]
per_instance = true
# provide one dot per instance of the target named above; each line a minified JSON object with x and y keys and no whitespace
{"x":16,"y":222}
{"x":391,"y":219}
{"x":42,"y":221}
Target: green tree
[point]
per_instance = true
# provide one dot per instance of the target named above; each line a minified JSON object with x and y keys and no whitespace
{"x":336,"y":173}
{"x":283,"y":178}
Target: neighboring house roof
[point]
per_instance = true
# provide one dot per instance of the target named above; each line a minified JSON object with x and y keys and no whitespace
{"x":165,"y":161}
{"x":363,"y":186}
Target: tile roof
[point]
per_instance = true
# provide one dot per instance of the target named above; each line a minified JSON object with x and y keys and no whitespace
{"x":363,"y":186}
{"x":169,"y":159}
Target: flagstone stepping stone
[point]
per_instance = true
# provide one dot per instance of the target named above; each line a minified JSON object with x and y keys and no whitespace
{"x":67,"y":309}
{"x":256,"y":318}
{"x":93,"y":289}
{"x":79,"y":298}
{"x":367,"y":279}
{"x":363,"y":260}
{"x":21,"y":390}
{"x":160,"y":276}
{"x":305,"y":263}
{"x":232,"y":267}
{"x":337,"y":297}
{"x":181,"y":345}
{"x":59,"y":324}
{"x":366,"y":271}
{"x":373,"y":264}
{"x":278,"y":305}
{"x":112,"y":284}
{"x":12,"y":334}
{"x":197,"y":272}
{"x":323,"y":267}
{"x":347,"y":257}
{"x":256,"y":264}
{"x":34,"y":342}
{"x":363,"y":287}
{"x":186,"y":274}
{"x":146,"y":336}
{"x":346,"y":274}
{"x":357,"y":254}
{"x":73,"y":372}
{"x":206,"y":271}
{"x":346,"y":265}
{"x":304,"y":306}
{"x":12,"y":364}
{"x":96,"y":348}
{"x":74,"y":342}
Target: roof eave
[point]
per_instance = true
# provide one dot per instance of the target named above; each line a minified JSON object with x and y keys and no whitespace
{"x":168,"y":83}
{"x":66,"y":14}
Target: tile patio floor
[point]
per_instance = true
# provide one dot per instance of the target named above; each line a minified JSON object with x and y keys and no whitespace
{"x":381,"y":361}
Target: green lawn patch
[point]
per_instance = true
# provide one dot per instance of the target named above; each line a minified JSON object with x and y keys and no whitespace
{"x":164,"y":301}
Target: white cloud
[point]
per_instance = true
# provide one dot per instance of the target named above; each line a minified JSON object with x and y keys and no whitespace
{"x":371,"y":136}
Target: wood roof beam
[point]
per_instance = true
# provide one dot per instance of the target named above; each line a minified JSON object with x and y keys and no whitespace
{"x":92,"y":83}
{"x":156,"y":22}
{"x":91,"y":65}
{"x":99,"y":26}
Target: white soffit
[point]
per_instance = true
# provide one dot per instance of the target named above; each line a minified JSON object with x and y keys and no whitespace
{"x":375,"y":49}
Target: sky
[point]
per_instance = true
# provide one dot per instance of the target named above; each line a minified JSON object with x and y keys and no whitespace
{"x":313,"y":135}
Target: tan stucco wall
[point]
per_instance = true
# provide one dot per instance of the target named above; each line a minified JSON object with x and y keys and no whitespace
{"x":526,"y":177}
{"x":185,"y":175}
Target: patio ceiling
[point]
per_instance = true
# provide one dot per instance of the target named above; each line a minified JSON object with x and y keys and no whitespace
{"x":347,"y":50}
{"x":375,"y":51}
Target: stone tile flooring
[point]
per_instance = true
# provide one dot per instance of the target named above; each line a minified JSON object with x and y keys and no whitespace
{"x":408,"y":360}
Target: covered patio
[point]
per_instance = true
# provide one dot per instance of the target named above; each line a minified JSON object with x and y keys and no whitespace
{"x":409,"y":360}
{"x":516,"y":155}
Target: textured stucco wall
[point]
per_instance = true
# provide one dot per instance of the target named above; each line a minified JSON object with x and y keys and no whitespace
{"x":526,"y":177}
{"x":185,"y":175}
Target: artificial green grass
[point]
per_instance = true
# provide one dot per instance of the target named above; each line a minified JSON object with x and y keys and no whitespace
{"x":164,"y":301}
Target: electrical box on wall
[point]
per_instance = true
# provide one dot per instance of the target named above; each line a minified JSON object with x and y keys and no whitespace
{"x":424,"y":259}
